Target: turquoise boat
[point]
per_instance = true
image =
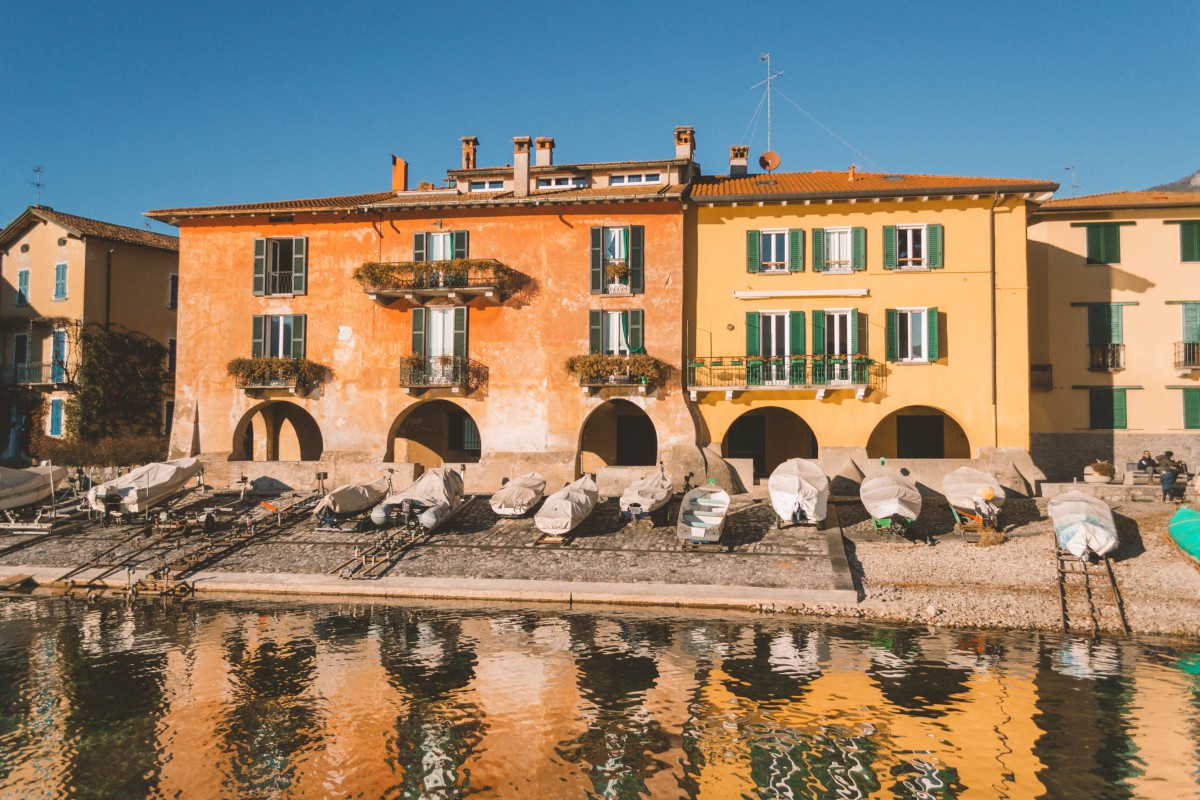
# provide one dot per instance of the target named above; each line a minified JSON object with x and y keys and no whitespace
{"x":1185,"y":531}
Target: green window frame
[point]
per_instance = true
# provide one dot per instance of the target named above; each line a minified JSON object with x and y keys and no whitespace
{"x":1189,"y":241}
{"x":929,"y":238}
{"x":1107,"y":409}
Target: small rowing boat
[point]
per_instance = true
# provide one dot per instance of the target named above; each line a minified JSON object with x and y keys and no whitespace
{"x":702,"y":514}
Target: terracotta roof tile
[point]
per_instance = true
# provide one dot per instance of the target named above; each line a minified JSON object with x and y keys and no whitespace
{"x":829,"y":184}
{"x":564,"y":195}
{"x":91,"y":228}
{"x":342,"y":203}
{"x":1123,"y":200}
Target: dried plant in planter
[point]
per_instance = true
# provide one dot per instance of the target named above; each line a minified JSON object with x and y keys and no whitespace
{"x":1105,"y":468}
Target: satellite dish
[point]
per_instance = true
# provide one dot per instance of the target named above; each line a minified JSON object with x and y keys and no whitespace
{"x":769,"y":160}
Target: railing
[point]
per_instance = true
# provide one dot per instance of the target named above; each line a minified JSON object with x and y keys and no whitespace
{"x":34,"y":374}
{"x":596,"y":371}
{"x":1041,"y":377}
{"x":417,"y":372}
{"x":1106,"y":357}
{"x":297,"y":374}
{"x":792,"y":371}
{"x":463,"y":273}
{"x":1187,"y":355}
{"x":279,"y":283}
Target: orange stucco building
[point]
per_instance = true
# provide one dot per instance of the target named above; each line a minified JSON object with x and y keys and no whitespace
{"x":440,"y":321}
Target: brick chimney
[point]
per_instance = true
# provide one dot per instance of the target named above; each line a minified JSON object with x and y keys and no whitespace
{"x":521,"y":165}
{"x":739,"y":154}
{"x":851,"y":172}
{"x":469,"y":145}
{"x":399,"y":174}
{"x":544,"y":155}
{"x":685,"y":142}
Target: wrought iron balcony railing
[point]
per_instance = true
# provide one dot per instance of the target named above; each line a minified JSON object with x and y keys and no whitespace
{"x":420,"y":281}
{"x":797,"y":372}
{"x":296,"y":374}
{"x":1187,"y":355}
{"x":457,"y":373}
{"x":1106,"y":357}
{"x":34,"y":374}
{"x":1041,"y":377}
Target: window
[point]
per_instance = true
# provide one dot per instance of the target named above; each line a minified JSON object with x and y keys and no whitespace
{"x":572,"y":182}
{"x":279,"y":336}
{"x":1106,"y":409}
{"x":171,"y":356}
{"x":58,"y":355}
{"x":912,"y":246}
{"x":168,"y":416}
{"x":173,"y":291}
{"x":774,"y":251}
{"x":617,"y":260}
{"x":60,"y":281}
{"x":442,"y":246}
{"x":839,"y":250}
{"x":1041,"y":377}
{"x":464,"y":433}
{"x":778,"y":337}
{"x":1191,"y":409}
{"x":835,"y":332}
{"x":616,"y":244}
{"x":280,"y":266}
{"x":440,"y":331}
{"x":912,"y":335}
{"x":625,"y":180}
{"x":616,"y":332}
{"x":23,"y":287}
{"x":486,"y":186}
{"x":20,"y":359}
{"x":1189,"y":239}
{"x":56,"y":417}
{"x":1103,"y":241}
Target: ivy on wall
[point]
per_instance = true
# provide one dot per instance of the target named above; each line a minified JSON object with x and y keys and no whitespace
{"x":118,"y":384}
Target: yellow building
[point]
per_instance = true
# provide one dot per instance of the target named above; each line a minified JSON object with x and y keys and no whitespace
{"x":830,"y":311}
{"x":1115,"y":329}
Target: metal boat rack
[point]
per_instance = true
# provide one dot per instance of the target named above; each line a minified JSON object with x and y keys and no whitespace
{"x":1069,"y":567}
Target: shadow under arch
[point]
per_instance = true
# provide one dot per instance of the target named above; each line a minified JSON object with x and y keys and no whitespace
{"x":433,"y":432}
{"x":617,"y":433}
{"x":277,"y":430}
{"x":769,"y":435}
{"x":918,"y":432}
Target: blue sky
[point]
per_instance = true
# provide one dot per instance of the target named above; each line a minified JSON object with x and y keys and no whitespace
{"x":133,"y":106}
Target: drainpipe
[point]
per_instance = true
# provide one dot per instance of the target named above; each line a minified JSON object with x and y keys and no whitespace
{"x":992,"y":254}
{"x":108,"y":287}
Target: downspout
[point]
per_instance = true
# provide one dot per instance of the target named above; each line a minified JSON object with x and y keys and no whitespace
{"x":992,"y":269}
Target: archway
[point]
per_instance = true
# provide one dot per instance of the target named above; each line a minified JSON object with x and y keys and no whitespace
{"x":918,"y":432}
{"x":277,"y":431}
{"x":617,"y":434}
{"x":769,"y":436}
{"x":433,"y":433}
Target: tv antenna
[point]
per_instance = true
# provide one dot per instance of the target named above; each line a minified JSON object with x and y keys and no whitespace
{"x":770,"y":77}
{"x":1071,"y":169}
{"x":38,"y":184}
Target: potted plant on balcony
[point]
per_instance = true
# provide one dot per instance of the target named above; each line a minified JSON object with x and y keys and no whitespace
{"x":1099,"y":471}
{"x":618,"y":277}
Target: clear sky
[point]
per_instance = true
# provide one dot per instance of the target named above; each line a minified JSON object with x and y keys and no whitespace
{"x":132,"y":106}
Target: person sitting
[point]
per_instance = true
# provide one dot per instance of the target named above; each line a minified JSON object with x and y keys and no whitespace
{"x":1146,"y":463}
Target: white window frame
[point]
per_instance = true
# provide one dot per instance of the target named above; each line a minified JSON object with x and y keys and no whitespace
{"x":901,"y":230}
{"x":620,"y":250}
{"x":775,"y":374}
{"x":615,"y":343}
{"x":779,"y":265}
{"x":635,"y":179}
{"x":23,"y":276}
{"x":490,"y":185}
{"x":446,"y":241}
{"x":280,"y":345}
{"x":173,"y":291}
{"x":847,"y":265}
{"x":919,"y":333}
{"x":278,"y":269}
{"x":563,"y":182}
{"x":830,"y":312}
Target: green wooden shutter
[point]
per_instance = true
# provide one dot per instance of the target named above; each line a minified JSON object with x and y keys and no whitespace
{"x":931,"y":333}
{"x":854,"y":342}
{"x":298,"y":326}
{"x":858,"y":249}
{"x":1104,"y":243}
{"x":1191,"y":322}
{"x":818,"y":248}
{"x":637,"y":259}
{"x":597,"y":262}
{"x":753,"y":251}
{"x":259,"y":336}
{"x":1100,"y":408}
{"x":1112,"y":246}
{"x":595,"y":331}
{"x":934,"y":239}
{"x":418,"y":331}
{"x":1118,"y":409}
{"x":1189,"y":241}
{"x":635,"y":333}
{"x":891,"y":335}
{"x":1101,"y":325}
{"x":420,"y":248}
{"x":260,"y":266}
{"x":460,"y":331}
{"x":300,"y":265}
{"x":889,"y":250}
{"x":818,"y":329}
{"x":1191,"y":409}
{"x":1114,"y":324}
{"x":796,"y":250}
{"x":458,"y":243}
{"x":1095,"y":244}
{"x":751,"y":333}
{"x":796,"y":343}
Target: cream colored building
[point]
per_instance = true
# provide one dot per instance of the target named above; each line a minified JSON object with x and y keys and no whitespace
{"x":1114,"y":329}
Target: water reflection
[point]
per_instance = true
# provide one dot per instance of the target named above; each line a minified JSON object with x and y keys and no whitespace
{"x":262,"y":700}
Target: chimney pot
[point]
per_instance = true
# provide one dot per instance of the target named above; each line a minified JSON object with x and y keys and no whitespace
{"x":685,"y":142}
{"x":469,"y":145}
{"x":739,"y":155}
{"x":851,"y":172}
{"x":521,"y":165}
{"x":399,"y":174}
{"x":544,"y":155}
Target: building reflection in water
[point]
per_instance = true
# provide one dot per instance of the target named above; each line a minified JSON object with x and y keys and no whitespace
{"x":270,"y":700}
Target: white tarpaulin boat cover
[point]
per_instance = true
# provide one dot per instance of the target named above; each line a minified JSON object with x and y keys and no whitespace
{"x":145,"y":486}
{"x":886,"y":493}
{"x":23,"y":487}
{"x":567,"y":507}
{"x":651,"y":492}
{"x":439,"y":491}
{"x":353,"y":498}
{"x":799,"y":485}
{"x":962,"y":486}
{"x":519,"y":495}
{"x":1083,"y":523}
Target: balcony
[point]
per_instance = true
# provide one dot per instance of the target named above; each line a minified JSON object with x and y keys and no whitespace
{"x":637,"y":373}
{"x":1041,"y":377}
{"x":1187,"y":356}
{"x":821,"y":374}
{"x":459,"y":281}
{"x":297,"y":376}
{"x":1106,"y":357}
{"x":39,"y":374}
{"x":458,"y":374}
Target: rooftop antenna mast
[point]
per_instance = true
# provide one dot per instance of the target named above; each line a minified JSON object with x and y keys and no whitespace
{"x":1071,"y":169}
{"x":770,"y":77}
{"x":38,"y":184}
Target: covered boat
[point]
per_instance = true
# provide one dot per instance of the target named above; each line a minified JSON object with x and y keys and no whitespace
{"x":646,"y":495}
{"x":702,"y":514}
{"x":799,"y":492}
{"x":1184,"y":530}
{"x":891,"y":499}
{"x":430,"y":500}
{"x":975,"y":498}
{"x":519,"y":496}
{"x":24,"y":487}
{"x":1083,"y":524}
{"x":144,"y":487}
{"x":567,"y":507}
{"x":352,"y":498}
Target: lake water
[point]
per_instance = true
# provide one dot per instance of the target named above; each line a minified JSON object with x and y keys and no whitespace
{"x":265,"y":699}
